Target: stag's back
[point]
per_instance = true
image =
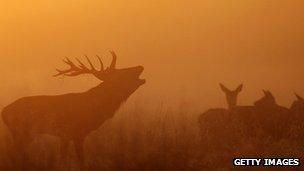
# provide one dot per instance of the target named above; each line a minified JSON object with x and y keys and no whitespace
{"x":36,"y":114}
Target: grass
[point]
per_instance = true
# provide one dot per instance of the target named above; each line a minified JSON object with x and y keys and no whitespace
{"x":143,"y":139}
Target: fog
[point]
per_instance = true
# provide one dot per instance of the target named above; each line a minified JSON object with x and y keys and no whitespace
{"x":186,"y":47}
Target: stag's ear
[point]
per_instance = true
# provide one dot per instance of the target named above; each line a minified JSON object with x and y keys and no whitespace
{"x":224,"y":89}
{"x":299,"y":97}
{"x":239,"y":88}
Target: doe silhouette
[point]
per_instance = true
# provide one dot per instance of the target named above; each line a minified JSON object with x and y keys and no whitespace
{"x":72,"y":116}
{"x":231,"y":95}
{"x":297,"y":110}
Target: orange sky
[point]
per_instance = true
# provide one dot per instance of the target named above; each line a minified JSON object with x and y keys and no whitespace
{"x":184,"y":46}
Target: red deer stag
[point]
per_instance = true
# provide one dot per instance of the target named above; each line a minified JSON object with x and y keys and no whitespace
{"x":71,"y":117}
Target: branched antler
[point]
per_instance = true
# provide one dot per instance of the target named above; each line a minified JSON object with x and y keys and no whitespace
{"x":75,"y":70}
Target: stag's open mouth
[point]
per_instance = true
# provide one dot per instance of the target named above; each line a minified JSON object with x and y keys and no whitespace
{"x":142,"y":81}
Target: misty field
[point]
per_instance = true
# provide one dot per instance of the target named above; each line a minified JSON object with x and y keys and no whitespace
{"x":141,"y":138}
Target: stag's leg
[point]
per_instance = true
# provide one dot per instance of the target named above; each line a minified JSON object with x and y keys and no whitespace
{"x":78,"y":142}
{"x":22,"y":141}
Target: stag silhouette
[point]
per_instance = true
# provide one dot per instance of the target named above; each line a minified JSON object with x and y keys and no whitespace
{"x":71,"y":117}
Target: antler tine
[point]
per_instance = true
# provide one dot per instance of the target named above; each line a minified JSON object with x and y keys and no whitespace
{"x":81,"y":65}
{"x":64,"y":72}
{"x":81,"y":68}
{"x":113,"y":63}
{"x":101,"y":64}
{"x":59,"y":73}
{"x":68,"y":61}
{"x":73,"y":70}
{"x":92,"y":66}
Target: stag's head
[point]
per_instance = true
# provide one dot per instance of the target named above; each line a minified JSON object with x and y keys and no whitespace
{"x":231,"y":95}
{"x":298,"y":105}
{"x":267,"y":101}
{"x":126,"y":77}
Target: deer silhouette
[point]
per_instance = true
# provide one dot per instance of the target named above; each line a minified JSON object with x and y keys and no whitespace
{"x":217,"y":123}
{"x":267,"y":100}
{"x":71,"y":117}
{"x":273,"y":117}
{"x":298,"y":105}
{"x":215,"y":119}
{"x":265,"y":121}
{"x":297,"y":121}
{"x":231,"y":95}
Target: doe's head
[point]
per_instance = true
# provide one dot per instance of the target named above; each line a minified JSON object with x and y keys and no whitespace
{"x":231,"y":95}
{"x":298,"y":105}
{"x":267,"y":100}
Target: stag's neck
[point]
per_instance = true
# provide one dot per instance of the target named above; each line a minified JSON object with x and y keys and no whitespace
{"x":107,"y":97}
{"x":113,"y":92}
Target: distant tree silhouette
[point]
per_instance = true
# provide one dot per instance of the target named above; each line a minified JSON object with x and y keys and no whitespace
{"x":72,"y":116}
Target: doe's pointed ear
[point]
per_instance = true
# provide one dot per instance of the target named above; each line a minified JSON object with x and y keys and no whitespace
{"x":239,"y":88}
{"x":265,"y":92}
{"x":224,"y":89}
{"x":299,"y":97}
{"x":270,"y":94}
